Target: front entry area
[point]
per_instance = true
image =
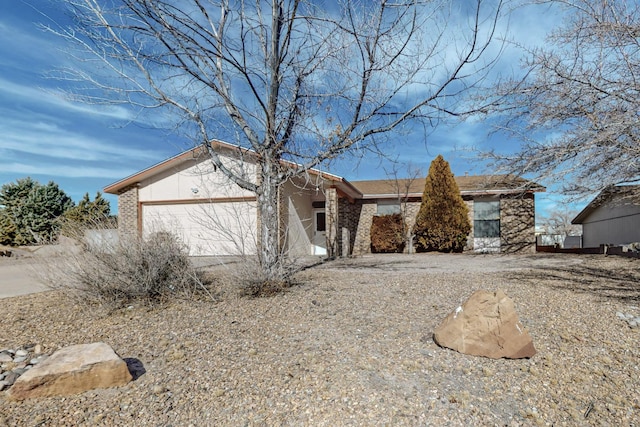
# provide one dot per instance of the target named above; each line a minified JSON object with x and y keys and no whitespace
{"x":319,"y":232}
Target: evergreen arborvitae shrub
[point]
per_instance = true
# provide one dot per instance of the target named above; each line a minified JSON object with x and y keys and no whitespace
{"x":442,"y":223}
{"x":387,"y":234}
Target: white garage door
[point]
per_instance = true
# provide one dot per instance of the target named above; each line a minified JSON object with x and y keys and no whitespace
{"x":206,"y":228}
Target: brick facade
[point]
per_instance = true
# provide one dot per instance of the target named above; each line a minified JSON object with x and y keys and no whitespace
{"x":517,"y":223}
{"x":469,"y":202}
{"x":128,"y":211}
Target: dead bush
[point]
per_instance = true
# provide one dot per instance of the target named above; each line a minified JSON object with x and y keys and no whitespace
{"x":125,"y":269}
{"x":250,"y":281}
{"x":388,"y":234}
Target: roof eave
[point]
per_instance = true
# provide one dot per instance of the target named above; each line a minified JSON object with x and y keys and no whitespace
{"x":116,"y":187}
{"x":135,"y":178}
{"x":462,"y":192}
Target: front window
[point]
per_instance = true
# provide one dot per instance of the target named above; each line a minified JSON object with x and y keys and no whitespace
{"x":388,"y":207}
{"x":486,"y":219}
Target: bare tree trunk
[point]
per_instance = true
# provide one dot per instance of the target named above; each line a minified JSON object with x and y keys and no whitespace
{"x":269,"y":251}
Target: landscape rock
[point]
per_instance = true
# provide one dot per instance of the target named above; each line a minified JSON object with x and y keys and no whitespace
{"x":72,"y":370}
{"x":486,"y":325}
{"x":11,"y":378}
{"x":632,"y":320}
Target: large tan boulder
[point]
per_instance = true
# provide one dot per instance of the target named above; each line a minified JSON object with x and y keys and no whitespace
{"x":486,"y":325}
{"x":72,"y":370}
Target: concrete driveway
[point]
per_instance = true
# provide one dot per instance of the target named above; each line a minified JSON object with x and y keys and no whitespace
{"x":19,"y":277}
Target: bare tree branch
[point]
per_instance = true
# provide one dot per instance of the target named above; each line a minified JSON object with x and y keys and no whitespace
{"x":576,"y":111}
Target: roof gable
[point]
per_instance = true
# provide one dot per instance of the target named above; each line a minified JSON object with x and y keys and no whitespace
{"x":612,"y":194}
{"x":223,"y":148}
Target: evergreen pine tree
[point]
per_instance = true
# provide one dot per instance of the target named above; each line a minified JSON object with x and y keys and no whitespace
{"x":89,"y":212}
{"x":7,"y":228}
{"x":29,"y":211}
{"x":442,"y":223}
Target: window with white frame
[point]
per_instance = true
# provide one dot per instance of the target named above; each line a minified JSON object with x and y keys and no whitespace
{"x":486,"y":218}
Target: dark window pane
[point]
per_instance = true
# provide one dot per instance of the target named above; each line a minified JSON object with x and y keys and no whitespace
{"x":486,"y":228}
{"x":486,"y":210}
{"x":321,"y":223}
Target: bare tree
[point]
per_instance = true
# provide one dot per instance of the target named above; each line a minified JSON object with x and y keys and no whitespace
{"x":402,"y":183}
{"x":576,"y":111}
{"x":558,"y":221}
{"x":297,"y":80}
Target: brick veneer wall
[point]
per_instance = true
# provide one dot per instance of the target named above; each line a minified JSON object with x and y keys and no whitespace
{"x":517,"y":223}
{"x":128,"y":211}
{"x":363,"y":212}
{"x":469,"y":202}
{"x":361,"y":216}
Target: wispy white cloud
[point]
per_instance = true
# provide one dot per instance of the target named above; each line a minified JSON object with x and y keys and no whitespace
{"x":59,"y":170}
{"x":57,"y":99}
{"x":49,"y":140}
{"x":28,"y":46}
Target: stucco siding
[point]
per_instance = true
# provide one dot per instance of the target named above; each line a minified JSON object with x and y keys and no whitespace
{"x":192,"y":180}
{"x":612,"y":224}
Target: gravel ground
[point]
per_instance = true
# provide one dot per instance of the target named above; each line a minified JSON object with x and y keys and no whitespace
{"x":352,"y":345}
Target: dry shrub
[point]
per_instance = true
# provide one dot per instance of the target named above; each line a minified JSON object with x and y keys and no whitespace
{"x":117,"y":270}
{"x":388,"y":234}
{"x":253,"y":282}
{"x":257,"y":289}
{"x":242,"y":276}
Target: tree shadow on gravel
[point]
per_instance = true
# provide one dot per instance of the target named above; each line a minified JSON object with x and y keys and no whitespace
{"x":621,"y":284}
{"x":376,"y":264}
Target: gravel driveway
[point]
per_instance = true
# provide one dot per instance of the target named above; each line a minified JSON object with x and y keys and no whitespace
{"x":351,"y":345}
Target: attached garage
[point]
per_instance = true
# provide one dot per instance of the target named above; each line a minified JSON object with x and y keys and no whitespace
{"x":223,"y":228}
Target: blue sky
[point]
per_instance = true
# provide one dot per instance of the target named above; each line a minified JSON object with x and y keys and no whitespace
{"x":84,"y":147}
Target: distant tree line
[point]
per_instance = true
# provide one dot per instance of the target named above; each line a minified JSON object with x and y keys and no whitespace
{"x":33,"y":213}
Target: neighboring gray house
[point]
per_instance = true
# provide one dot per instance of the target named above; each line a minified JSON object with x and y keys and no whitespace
{"x":611,"y":218}
{"x":320,"y":213}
